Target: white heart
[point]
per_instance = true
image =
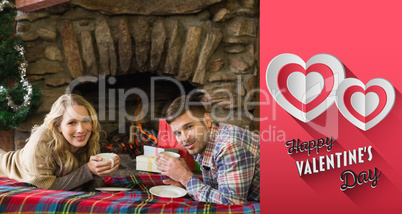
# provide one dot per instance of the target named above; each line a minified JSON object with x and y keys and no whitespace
{"x":311,"y":85}
{"x":305,"y":88}
{"x":365,"y":104}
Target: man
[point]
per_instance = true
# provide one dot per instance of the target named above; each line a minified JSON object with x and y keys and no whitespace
{"x":228,"y":155}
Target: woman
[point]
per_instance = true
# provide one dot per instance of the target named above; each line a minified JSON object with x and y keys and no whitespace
{"x":60,"y":154}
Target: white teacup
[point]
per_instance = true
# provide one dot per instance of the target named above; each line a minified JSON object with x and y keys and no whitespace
{"x":171,"y":154}
{"x":107,"y":156}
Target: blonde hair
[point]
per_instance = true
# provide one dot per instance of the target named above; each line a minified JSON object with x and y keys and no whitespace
{"x":52,"y":143}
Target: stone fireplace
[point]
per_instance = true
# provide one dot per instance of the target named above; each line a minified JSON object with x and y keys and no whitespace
{"x":103,"y":49}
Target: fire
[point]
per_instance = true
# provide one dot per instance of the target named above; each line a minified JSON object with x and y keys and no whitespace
{"x":132,"y":143}
{"x":137,"y":136}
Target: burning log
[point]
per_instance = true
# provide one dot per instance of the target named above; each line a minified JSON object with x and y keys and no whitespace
{"x":132,"y":143}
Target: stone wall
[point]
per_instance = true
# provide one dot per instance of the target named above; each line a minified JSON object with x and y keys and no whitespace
{"x":212,"y":44}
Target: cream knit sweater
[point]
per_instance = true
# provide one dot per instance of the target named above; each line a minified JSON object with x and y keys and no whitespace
{"x":26,"y":165}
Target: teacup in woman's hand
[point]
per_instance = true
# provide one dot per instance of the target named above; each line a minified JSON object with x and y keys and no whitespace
{"x":107,"y":156}
{"x":171,"y":154}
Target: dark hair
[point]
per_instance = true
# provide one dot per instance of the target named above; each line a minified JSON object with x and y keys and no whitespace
{"x":192,"y":103}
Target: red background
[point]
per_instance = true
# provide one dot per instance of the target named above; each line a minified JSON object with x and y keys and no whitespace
{"x":367,"y":38}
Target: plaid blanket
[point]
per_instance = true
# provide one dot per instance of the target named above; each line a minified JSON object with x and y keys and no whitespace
{"x":16,"y":197}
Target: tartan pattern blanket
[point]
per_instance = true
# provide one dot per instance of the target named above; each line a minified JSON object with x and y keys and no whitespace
{"x":17,"y":197}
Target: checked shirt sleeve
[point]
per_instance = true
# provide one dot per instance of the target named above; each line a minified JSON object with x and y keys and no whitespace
{"x":234,"y":173}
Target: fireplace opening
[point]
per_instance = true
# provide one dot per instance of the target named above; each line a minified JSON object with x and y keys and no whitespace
{"x":129,"y":108}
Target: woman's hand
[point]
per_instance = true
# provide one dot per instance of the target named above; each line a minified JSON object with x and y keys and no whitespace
{"x":100,"y":168}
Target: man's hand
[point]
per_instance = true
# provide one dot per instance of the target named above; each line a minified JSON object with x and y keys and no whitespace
{"x":177,"y":170}
{"x":102,"y":168}
{"x":173,"y":183}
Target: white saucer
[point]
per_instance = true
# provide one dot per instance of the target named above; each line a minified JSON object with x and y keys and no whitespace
{"x":168,"y":191}
{"x":112,"y":189}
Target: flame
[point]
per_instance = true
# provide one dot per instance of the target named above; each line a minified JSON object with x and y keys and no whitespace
{"x":145,"y":136}
{"x":124,"y":146}
{"x":148,"y":135}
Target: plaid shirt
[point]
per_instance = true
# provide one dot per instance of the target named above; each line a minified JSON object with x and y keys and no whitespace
{"x":230,"y":167}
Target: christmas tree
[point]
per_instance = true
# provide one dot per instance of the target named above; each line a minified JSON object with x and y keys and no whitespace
{"x":18,"y":98}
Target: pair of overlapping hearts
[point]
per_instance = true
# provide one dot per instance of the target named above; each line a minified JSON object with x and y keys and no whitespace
{"x":307,"y":89}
